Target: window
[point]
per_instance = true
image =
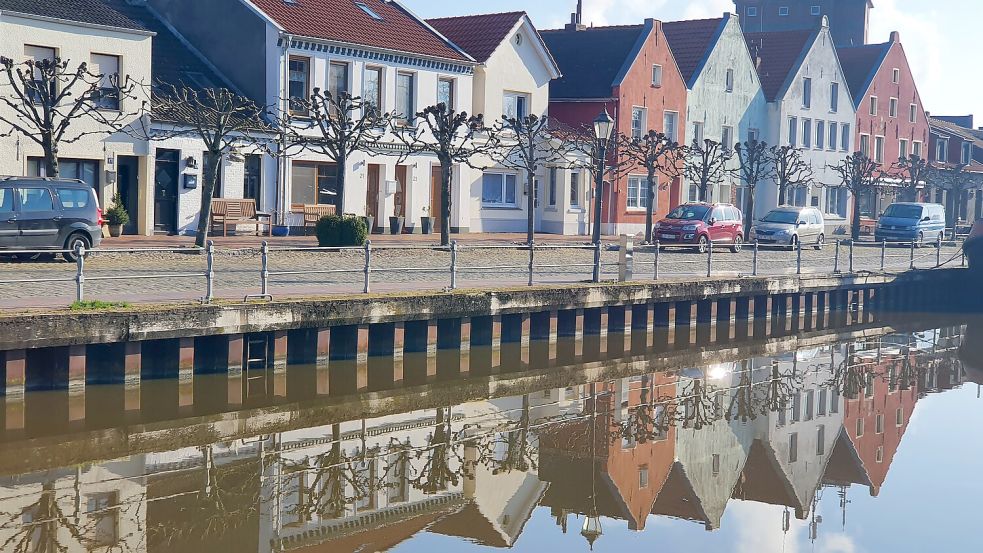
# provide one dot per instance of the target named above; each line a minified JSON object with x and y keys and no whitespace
{"x":6,"y":200}
{"x":860,"y":427}
{"x":873,"y":105}
{"x":252,"y":177}
{"x":833,"y":135}
{"x":498,"y":190}
{"x":40,"y":53}
{"x":575,"y":189}
{"x":823,"y":394}
{"x":715,"y":464}
{"x":783,"y":11}
{"x":820,"y":135}
{"x":793,"y":130}
{"x":397,"y":478}
{"x":299,"y":86}
{"x":643,"y":477}
{"x":338,"y":79}
{"x":879,"y":149}
{"x":314,"y":183}
{"x":879,"y":424}
{"x":405,"y":91}
{"x":821,"y":440}
{"x":108,"y":67}
{"x":899,"y":417}
{"x":752,"y":11}
{"x":879,"y":454}
{"x":912,"y":113}
{"x":637,"y":193}
{"x":942,"y":150}
{"x":698,"y":133}
{"x":797,"y":407}
{"x":966,"y":153}
{"x":729,"y":81}
{"x":34,"y":200}
{"x":815,"y":10}
{"x":892,"y":107}
{"x":834,"y":97}
{"x":551,"y":196}
{"x":445,"y":92}
{"x":514,"y":106}
{"x":372,"y":88}
{"x":834,"y":402}
{"x":793,"y":447}
{"x":810,"y":404}
{"x":70,"y":198}
{"x":85,"y":170}
{"x":101,"y":509}
{"x":896,"y":76}
{"x":752,"y":135}
{"x":807,"y":133}
{"x":845,"y":137}
{"x":638,"y":120}
{"x":806,"y":92}
{"x":670,"y":121}
{"x":835,"y":205}
{"x":369,"y":11}
{"x":727,"y":138}
{"x":656,"y":75}
{"x":916,"y":149}
{"x":865,"y":144}
{"x":903,"y":149}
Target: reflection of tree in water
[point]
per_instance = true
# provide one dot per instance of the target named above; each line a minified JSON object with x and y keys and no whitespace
{"x":520,"y":450}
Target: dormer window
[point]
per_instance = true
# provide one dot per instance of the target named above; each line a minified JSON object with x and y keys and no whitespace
{"x":369,"y":11}
{"x":815,"y":10}
{"x":783,"y":11}
{"x":752,"y":11}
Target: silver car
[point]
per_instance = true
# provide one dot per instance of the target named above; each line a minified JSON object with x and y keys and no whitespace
{"x":790,"y":226}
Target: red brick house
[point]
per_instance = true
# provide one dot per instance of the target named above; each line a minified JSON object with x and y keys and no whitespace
{"x":956,"y":145}
{"x":630,"y":71}
{"x":891,"y":120}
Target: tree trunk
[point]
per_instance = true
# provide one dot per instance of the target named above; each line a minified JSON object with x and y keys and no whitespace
{"x":51,"y":166}
{"x":704,"y":192}
{"x":207,"y":191}
{"x":531,"y":206}
{"x":749,"y":212}
{"x":650,"y":208}
{"x":781,"y":194}
{"x":855,"y":230}
{"x":340,"y":179}
{"x":445,"y":202}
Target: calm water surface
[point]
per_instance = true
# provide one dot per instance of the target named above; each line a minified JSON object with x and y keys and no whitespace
{"x":871,"y":444}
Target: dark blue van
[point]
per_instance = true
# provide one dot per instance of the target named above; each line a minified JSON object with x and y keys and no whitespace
{"x":911,"y":222}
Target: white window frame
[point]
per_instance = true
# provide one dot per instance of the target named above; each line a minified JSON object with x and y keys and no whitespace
{"x":674,"y":136}
{"x":912,"y":113}
{"x":382,"y":84}
{"x":793,"y":131}
{"x":636,"y":193}
{"x":845,"y":137}
{"x":903,"y":148}
{"x":864,"y":141}
{"x":656,"y":75}
{"x":453,"y":83}
{"x":727,"y":137}
{"x":820,"y":134}
{"x":783,"y":11}
{"x":752,"y":11}
{"x":879,"y":148}
{"x":834,"y":97}
{"x":807,"y":133}
{"x":815,"y":10}
{"x":873,"y":106}
{"x":642,"y":121}
{"x":729,"y":81}
{"x":834,"y":135}
{"x":892,"y":109}
{"x":916,"y":148}
{"x":698,"y":130}
{"x":942,"y":150}
{"x":575,"y":191}
{"x":806,"y":92}
{"x":896,"y":76}
{"x":407,"y":118}
{"x":509,"y":96}
{"x":966,"y":153}
{"x":504,"y":204}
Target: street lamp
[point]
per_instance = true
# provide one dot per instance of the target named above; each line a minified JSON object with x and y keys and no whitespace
{"x":603,"y":126}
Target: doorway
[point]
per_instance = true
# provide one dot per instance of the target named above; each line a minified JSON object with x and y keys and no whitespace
{"x":166,"y":174}
{"x":399,"y":209}
{"x":372,"y":196}
{"x":436,"y":206}
{"x":127,"y":183}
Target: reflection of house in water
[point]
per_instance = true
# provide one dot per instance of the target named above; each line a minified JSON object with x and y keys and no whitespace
{"x":614,"y":460}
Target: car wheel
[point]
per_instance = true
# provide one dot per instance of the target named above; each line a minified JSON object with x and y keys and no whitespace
{"x":821,"y":242}
{"x":75,"y":241}
{"x":738,"y":244}
{"x":704,"y":244}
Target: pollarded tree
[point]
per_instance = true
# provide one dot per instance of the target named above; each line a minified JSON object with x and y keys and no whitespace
{"x":790,"y":170}
{"x":335,"y":126}
{"x":755,"y":165}
{"x":451,"y":136}
{"x":956,"y":181}
{"x":913,"y":172}
{"x":657,"y":154}
{"x":706,"y":165}
{"x":220,"y":118}
{"x":860,"y":175}
{"x":51,"y":102}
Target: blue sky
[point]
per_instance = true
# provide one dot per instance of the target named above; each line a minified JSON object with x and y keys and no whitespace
{"x":936,"y":35}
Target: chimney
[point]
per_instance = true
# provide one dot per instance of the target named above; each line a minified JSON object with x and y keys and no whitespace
{"x":895,"y":37}
{"x":576,"y":18}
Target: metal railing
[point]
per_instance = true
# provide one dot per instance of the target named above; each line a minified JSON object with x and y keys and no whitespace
{"x":845,"y":256}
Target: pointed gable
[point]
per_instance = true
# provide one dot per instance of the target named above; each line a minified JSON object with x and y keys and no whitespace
{"x":860,"y":65}
{"x":592,"y":60}
{"x":692,"y":42}
{"x":778,"y":56}
{"x":478,"y":35}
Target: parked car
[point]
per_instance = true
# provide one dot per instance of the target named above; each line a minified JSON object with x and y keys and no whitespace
{"x":911,"y":222}
{"x":790,"y":226}
{"x":700,"y":224}
{"x":39,"y":214}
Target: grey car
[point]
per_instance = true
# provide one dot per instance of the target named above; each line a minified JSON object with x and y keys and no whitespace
{"x":789,"y":226}
{"x":48,"y":214}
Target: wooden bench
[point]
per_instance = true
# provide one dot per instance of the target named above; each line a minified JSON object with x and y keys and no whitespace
{"x":312,"y":212}
{"x":232,"y":213}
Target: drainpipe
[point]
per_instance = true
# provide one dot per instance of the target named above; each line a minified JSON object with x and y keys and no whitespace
{"x":284,"y":101}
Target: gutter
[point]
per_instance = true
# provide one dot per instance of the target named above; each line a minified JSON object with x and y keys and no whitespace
{"x":96,"y":26}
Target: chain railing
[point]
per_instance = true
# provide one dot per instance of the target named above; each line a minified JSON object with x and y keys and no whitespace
{"x":844,"y":257}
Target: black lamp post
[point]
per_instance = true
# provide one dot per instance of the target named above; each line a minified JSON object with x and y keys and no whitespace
{"x":603,"y":126}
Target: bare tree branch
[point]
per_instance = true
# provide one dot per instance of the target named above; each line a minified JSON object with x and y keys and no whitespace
{"x":657,"y":154}
{"x":706,"y":165}
{"x":790,"y":170}
{"x":858,"y":174}
{"x":756,"y":164}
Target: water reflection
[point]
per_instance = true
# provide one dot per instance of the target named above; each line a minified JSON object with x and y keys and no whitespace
{"x":672,"y":447}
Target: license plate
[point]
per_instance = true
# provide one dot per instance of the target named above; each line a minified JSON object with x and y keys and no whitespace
{"x":667,"y":237}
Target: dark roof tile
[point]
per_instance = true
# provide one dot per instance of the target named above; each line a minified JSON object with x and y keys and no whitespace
{"x":780,"y":53}
{"x":93,"y":12}
{"x":478,"y":35}
{"x":860,"y":64}
{"x":591,"y":59}
{"x":691,"y":42}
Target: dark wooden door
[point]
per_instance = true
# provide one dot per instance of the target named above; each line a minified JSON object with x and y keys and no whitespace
{"x":166,"y":175}
{"x":436,"y":211}
{"x":372,"y":196}
{"x":400,"y":199}
{"x":129,"y":190}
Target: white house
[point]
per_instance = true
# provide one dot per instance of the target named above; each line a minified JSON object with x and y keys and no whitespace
{"x":725,"y":102}
{"x":809,"y":107}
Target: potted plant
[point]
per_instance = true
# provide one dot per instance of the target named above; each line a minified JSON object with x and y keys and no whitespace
{"x":396,"y":225}
{"x":426,"y":222}
{"x":117,"y":217}
{"x":369,"y":221}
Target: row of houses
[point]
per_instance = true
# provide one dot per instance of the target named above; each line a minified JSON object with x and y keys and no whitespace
{"x":692,"y":80}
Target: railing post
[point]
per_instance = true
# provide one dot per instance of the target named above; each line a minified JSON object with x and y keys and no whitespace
{"x":532,"y":261}
{"x":851,"y":256}
{"x":626,"y":259}
{"x":798,"y":257}
{"x":80,"y":273}
{"x":938,"y":252}
{"x":368,"y":267}
{"x":709,"y":258}
{"x":836,"y":259}
{"x":264,"y":272}
{"x":754,"y":262}
{"x":597,"y":262}
{"x":657,"y":249}
{"x":963,"y":262}
{"x":453,"y":264}
{"x":883,"y":253}
{"x":209,"y":272}
{"x":911,"y":265}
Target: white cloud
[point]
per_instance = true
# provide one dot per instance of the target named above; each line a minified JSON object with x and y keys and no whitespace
{"x":759,"y":528}
{"x":837,"y":543}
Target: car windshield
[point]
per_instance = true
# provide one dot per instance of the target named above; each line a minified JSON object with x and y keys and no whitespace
{"x":689,"y":212}
{"x":786,"y":217}
{"x":904,"y":211}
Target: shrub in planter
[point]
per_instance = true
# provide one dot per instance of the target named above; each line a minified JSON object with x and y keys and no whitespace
{"x":116,"y":216}
{"x":338,"y":231}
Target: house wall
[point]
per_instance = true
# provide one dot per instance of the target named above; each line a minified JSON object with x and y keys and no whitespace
{"x":849,"y":19}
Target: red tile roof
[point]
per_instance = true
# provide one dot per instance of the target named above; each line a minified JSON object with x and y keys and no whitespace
{"x":691,"y":42}
{"x":344,"y":21}
{"x":781,"y":53}
{"x":478,"y":35}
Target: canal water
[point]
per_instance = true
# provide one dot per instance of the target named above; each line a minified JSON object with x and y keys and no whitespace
{"x":870,"y":442}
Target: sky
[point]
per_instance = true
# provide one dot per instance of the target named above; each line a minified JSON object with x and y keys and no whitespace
{"x":936,"y":35}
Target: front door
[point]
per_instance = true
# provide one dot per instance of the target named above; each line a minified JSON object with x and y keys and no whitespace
{"x":37,"y":217}
{"x":129,"y":190}
{"x":372,"y":196}
{"x":436,"y":209}
{"x":8,"y":219}
{"x":166,"y":175}
{"x":400,"y":199}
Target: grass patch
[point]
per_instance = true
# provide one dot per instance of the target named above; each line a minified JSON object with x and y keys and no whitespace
{"x":97,"y":304}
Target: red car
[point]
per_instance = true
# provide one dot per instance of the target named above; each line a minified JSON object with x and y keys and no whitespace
{"x":699,"y":224}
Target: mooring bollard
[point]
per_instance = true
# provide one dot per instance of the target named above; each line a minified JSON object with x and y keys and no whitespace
{"x":532,"y":261}
{"x":709,"y":258}
{"x":754,"y":261}
{"x":911,"y":265}
{"x":626,"y":259}
{"x":883,"y":253}
{"x":851,"y":256}
{"x":657,"y":249}
{"x":836,"y":258}
{"x":80,"y":273}
{"x":938,"y":252}
{"x":798,"y":257}
{"x":368,"y":267}
{"x":453,"y":264}
{"x":264,"y":272}
{"x":597,"y":262}
{"x":209,"y":272}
